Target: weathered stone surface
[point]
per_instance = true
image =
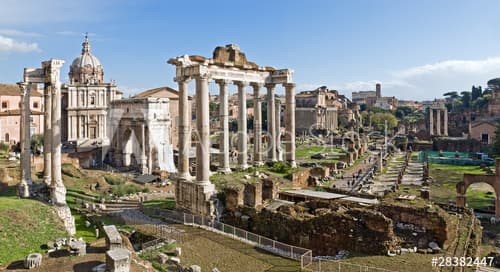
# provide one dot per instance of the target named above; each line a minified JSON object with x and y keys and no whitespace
{"x":77,"y":247}
{"x":118,"y":260}
{"x":33,"y":260}
{"x":113,"y":237}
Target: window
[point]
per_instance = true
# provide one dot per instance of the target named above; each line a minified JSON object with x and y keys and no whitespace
{"x":35,"y":105}
{"x":92,"y":100}
{"x":4,"y":104}
{"x":7,"y":138}
{"x":484,"y":138}
{"x":82,"y":99}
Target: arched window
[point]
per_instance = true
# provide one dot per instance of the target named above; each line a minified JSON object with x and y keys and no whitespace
{"x":7,"y":137}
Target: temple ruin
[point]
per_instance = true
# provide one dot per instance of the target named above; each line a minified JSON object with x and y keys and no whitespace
{"x":49,"y":75}
{"x":228,"y":65}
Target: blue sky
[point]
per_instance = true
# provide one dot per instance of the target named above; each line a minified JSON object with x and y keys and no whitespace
{"x":416,"y":49}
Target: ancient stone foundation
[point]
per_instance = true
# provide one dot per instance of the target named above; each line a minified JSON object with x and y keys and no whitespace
{"x":329,"y":228}
{"x":195,"y":197}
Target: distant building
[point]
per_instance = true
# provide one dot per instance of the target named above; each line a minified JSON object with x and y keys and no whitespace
{"x":10,"y":112}
{"x":86,"y":101}
{"x":410,"y":103}
{"x":321,"y":108}
{"x":483,"y":130}
{"x":375,"y":99}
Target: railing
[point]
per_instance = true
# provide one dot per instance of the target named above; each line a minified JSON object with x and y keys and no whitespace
{"x":288,"y":251}
{"x":163,"y":231}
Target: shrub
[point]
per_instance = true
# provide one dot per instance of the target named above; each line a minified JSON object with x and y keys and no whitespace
{"x":281,"y":167}
{"x":114,"y":180}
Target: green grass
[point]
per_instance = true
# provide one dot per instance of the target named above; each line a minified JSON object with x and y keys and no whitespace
{"x":167,"y":203}
{"x":446,"y":177}
{"x":25,"y":226}
{"x":307,"y":152}
{"x":88,"y":234}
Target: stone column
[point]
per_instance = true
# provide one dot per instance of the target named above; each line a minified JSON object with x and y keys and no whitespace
{"x":242,"y":125}
{"x":277,"y":130}
{"x":47,"y":135}
{"x":290,"y":123}
{"x":184,"y":130}
{"x":271,"y":124}
{"x":224,"y":125}
{"x":144,"y":166}
{"x":25,"y":139}
{"x":257,"y":124}
{"x":431,"y":121}
{"x":438,"y":122}
{"x":445,"y":118}
{"x":203,"y":127}
{"x":58,"y":191}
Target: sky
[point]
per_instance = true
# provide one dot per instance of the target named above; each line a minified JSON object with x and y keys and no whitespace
{"x":415,"y":49}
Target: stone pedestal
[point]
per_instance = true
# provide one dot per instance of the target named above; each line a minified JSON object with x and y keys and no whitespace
{"x":118,"y":260}
{"x":196,"y":198}
{"x":33,"y":260}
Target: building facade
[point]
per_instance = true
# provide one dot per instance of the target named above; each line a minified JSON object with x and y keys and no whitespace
{"x":10,"y":112}
{"x":86,"y":100}
{"x":140,"y":140}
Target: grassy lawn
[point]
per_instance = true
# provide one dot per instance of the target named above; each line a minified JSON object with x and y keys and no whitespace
{"x":446,"y":177}
{"x":307,"y":152}
{"x":210,"y":250}
{"x":167,"y":203}
{"x":25,"y":226}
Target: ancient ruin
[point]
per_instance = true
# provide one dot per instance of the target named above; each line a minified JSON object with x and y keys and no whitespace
{"x":228,"y":65}
{"x":49,"y":75}
{"x":439,"y":108}
{"x":493,"y":180}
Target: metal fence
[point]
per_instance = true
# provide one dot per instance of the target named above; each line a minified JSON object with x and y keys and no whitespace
{"x":288,"y":251}
{"x":163,"y":231}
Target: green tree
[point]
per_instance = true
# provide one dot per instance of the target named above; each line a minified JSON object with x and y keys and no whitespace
{"x":36,"y":144}
{"x":496,"y":143}
{"x":466,"y":99}
{"x":378,"y":119}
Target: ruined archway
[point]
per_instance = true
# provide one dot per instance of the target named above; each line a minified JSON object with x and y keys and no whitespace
{"x":493,"y":180}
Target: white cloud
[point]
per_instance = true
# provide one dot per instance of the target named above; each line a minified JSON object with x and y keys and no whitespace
{"x":18,"y":33}
{"x":451,"y":67}
{"x":10,"y":45}
{"x":73,"y":33}
{"x":430,"y":81}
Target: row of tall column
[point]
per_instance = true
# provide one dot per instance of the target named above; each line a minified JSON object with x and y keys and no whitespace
{"x":203,"y":126}
{"x":52,"y":133}
{"x":436,"y":130}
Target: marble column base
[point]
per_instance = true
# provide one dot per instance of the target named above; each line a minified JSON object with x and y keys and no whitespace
{"x":24,"y":190}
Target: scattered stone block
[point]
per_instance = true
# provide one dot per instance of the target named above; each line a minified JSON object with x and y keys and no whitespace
{"x":113,"y":237}
{"x":178,"y":251}
{"x":174,"y":260}
{"x":33,"y":260}
{"x":77,"y":247}
{"x":195,"y":268}
{"x":162,"y":258}
{"x":118,"y":260}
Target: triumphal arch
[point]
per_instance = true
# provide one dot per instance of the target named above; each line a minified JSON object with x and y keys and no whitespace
{"x":227,"y":66}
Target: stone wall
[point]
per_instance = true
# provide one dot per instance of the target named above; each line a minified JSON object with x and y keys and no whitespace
{"x":328,"y":228}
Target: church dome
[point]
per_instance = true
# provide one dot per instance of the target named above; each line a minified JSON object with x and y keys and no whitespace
{"x":86,"y":68}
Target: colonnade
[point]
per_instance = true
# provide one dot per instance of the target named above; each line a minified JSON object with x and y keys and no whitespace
{"x":49,"y":75}
{"x":203,"y":126}
{"x":436,"y":129}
